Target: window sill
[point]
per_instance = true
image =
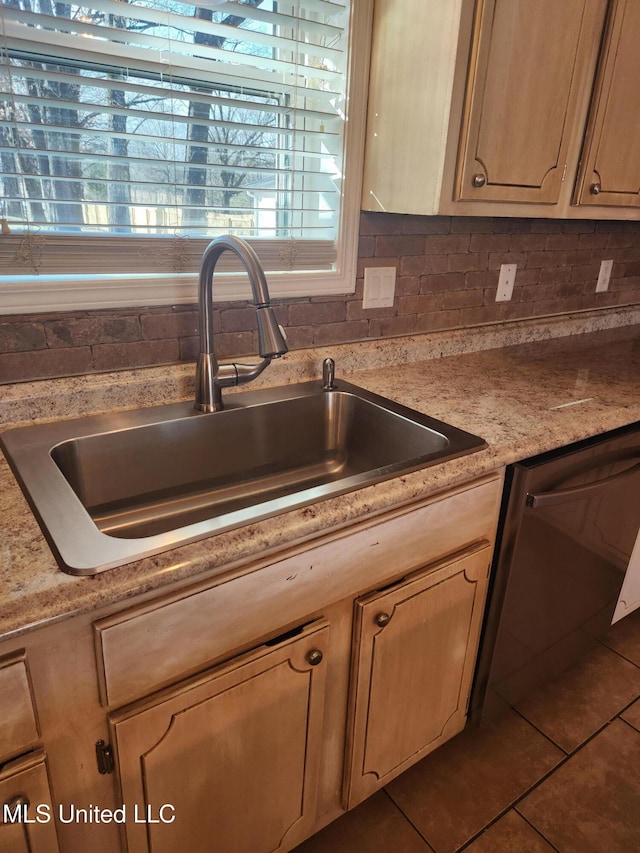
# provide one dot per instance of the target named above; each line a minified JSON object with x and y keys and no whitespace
{"x":39,"y":294}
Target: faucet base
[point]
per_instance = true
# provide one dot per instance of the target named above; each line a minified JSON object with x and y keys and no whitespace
{"x":208,"y":390}
{"x":212,"y":377}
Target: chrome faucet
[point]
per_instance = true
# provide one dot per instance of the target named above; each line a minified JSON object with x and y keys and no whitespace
{"x":212,"y":377}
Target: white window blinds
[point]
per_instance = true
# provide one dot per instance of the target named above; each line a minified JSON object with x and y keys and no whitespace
{"x":150,"y":126}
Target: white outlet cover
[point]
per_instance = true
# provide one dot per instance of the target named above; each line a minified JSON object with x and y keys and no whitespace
{"x":604,"y":276}
{"x":379,"y":287}
{"x":505,"y":282}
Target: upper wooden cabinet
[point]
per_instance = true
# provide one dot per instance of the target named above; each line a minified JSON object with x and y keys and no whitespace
{"x":480,"y":108}
{"x":610,"y":173}
{"x":529,"y":62}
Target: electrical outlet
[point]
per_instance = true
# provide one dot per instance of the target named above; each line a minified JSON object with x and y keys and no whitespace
{"x":379,"y":287}
{"x":604,"y":276}
{"x":505,"y":282}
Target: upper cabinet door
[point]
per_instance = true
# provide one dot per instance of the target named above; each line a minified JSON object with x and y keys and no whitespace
{"x":530,"y":62}
{"x":610,"y":173}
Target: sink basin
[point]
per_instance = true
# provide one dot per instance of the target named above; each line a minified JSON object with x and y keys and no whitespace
{"x":109,"y":489}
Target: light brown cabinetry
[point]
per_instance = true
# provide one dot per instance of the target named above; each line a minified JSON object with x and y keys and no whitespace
{"x":492,"y":121}
{"x":610,"y":173}
{"x":232,"y":756}
{"x":415,"y":648}
{"x":18,"y":724}
{"x":529,"y":63}
{"x":251,"y":752}
{"x":27,"y":823}
{"x":227,"y":704}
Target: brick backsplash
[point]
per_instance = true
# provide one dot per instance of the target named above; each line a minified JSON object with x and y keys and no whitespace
{"x":446,"y":267}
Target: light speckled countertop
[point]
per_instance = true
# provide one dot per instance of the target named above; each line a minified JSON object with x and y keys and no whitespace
{"x":523,"y":399}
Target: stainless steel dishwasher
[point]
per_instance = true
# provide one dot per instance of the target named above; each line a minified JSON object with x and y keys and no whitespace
{"x":569,"y":538}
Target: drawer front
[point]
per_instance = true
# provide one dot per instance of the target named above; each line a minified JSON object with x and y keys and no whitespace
{"x":151,"y":646}
{"x":27,"y":824}
{"x":18,"y":723}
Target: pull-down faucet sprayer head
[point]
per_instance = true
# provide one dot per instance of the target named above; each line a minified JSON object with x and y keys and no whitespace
{"x":271,"y":342}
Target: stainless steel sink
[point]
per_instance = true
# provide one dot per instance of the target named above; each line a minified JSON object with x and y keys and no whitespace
{"x":109,"y":489}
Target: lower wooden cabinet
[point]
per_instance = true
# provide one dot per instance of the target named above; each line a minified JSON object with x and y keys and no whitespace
{"x":213,"y":718}
{"x":27,"y":823}
{"x":18,"y":723}
{"x":229,"y":761}
{"x":415,"y":649}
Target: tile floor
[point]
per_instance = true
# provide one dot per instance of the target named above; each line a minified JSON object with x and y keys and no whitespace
{"x":561,"y":772}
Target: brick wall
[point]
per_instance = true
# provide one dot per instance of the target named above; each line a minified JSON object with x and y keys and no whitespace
{"x":447,"y":270}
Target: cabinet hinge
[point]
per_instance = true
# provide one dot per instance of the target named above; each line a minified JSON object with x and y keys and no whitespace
{"x":104,"y":757}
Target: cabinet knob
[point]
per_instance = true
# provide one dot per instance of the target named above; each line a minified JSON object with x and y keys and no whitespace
{"x":595,"y":189}
{"x":479,"y":181}
{"x":382,"y":619}
{"x":314,"y":657}
{"x":19,"y":801}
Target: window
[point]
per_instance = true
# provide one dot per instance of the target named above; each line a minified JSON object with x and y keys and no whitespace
{"x":132,"y":133}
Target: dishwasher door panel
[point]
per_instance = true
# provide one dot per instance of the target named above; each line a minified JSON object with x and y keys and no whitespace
{"x":570,"y":525}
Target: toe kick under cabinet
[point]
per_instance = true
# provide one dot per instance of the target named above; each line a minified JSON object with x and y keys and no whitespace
{"x":244,"y":713}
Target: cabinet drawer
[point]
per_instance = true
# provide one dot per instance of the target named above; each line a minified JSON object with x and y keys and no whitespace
{"x":18,"y":724}
{"x":151,"y":646}
{"x":27,"y":824}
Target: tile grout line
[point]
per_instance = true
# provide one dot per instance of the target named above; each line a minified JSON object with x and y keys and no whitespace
{"x":481,"y":832}
{"x":544,"y":778}
{"x":584,"y":742}
{"x":561,"y":763}
{"x":537,"y":832}
{"x":621,"y":655}
{"x":407,"y":819}
{"x":567,"y":756}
